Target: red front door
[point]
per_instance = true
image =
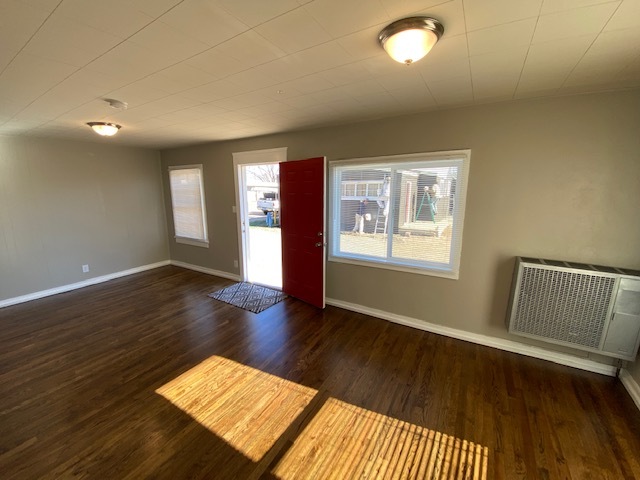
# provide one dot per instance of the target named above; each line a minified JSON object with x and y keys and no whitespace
{"x":302,"y":187}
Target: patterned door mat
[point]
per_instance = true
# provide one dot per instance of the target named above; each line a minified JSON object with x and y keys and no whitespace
{"x":249,"y":296}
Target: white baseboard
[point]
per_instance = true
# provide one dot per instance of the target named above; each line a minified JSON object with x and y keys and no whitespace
{"x":499,"y":343}
{"x":502,"y":344}
{"x":631,"y":385}
{"x":208,"y":271}
{"x":84,"y":283}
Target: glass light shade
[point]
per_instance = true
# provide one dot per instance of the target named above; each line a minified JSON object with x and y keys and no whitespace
{"x":104,"y":129}
{"x":409,"y":39}
{"x":410,"y":46}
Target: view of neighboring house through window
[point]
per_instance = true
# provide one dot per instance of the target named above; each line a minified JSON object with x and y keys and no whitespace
{"x":187,"y":200}
{"x":402,"y":212}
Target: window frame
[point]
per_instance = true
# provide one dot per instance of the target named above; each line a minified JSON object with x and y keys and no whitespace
{"x":451,"y":270}
{"x":196,"y":242}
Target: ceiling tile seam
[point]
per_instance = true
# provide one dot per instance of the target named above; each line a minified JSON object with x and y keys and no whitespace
{"x":177,"y":122}
{"x":249,"y":29}
{"x":79,"y":68}
{"x":194,"y":55}
{"x":466,"y":28}
{"x":192,"y":66}
{"x":184,"y":60}
{"x":415,"y":12}
{"x":426,"y":84}
{"x":600,"y":2}
{"x":20,"y":51}
{"x":589,"y":47}
{"x":196,"y":39}
{"x":526,"y":56}
{"x":506,"y":23}
{"x":540,"y":14}
{"x":319,"y":24}
{"x":149,"y":75}
{"x":580,"y":7}
{"x":261,"y":23}
{"x":233,"y":38}
{"x":231,"y":75}
{"x":178,"y":62}
{"x":155,"y":100}
{"x":631,"y":62}
{"x":31,"y":38}
{"x":623,"y":68}
{"x":202,"y":104}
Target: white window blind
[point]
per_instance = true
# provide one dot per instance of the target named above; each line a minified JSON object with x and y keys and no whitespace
{"x":403,"y":212}
{"x":187,"y":199}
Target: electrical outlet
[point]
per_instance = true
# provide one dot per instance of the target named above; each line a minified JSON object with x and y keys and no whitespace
{"x":235,"y":263}
{"x":85,"y":268}
{"x":233,"y":209}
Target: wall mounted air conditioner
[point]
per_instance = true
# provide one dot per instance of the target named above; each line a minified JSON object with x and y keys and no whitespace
{"x":588,"y":307}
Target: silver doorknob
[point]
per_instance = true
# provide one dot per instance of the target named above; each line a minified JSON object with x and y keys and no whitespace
{"x":318,"y":244}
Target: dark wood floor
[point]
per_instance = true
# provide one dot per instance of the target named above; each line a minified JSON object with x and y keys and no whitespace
{"x":147,"y":377}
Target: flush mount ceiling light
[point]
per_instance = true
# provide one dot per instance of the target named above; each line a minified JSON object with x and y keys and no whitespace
{"x":104,"y":129}
{"x":409,"y":39}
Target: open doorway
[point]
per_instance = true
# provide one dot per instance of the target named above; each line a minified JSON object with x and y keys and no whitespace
{"x":258,"y":197}
{"x":264,"y":242}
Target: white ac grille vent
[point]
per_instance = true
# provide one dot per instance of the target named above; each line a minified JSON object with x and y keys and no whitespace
{"x":586,"y":307}
{"x":563,"y":305}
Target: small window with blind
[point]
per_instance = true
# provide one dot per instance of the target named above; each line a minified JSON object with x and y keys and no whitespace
{"x":187,"y":200}
{"x":402,"y":212}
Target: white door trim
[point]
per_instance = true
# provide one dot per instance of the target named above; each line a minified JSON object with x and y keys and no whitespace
{"x":240,"y":159}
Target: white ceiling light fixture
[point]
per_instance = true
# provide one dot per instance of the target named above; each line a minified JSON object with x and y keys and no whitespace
{"x":105,"y":129}
{"x":409,"y":39}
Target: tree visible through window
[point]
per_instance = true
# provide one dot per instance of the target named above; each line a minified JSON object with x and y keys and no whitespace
{"x":403,"y":212}
{"x":187,"y":200}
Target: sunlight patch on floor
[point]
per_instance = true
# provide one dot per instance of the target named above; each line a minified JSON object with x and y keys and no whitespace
{"x":246,"y":407}
{"x":346,"y":441}
{"x":250,"y":410}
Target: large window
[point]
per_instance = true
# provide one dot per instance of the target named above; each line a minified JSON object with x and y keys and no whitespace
{"x":187,"y":200}
{"x":403,"y":212}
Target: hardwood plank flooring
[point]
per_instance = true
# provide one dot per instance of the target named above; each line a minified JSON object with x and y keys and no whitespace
{"x":147,"y":377}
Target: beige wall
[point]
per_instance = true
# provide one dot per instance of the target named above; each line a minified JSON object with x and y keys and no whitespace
{"x":64,"y":204}
{"x":554,"y":178}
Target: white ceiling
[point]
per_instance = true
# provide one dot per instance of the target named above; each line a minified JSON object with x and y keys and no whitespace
{"x":205,"y":70}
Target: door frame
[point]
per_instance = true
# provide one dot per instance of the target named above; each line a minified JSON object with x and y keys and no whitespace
{"x":243,"y":159}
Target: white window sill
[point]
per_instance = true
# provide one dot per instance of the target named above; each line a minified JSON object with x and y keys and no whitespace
{"x":452,"y":275}
{"x":193,"y":242}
